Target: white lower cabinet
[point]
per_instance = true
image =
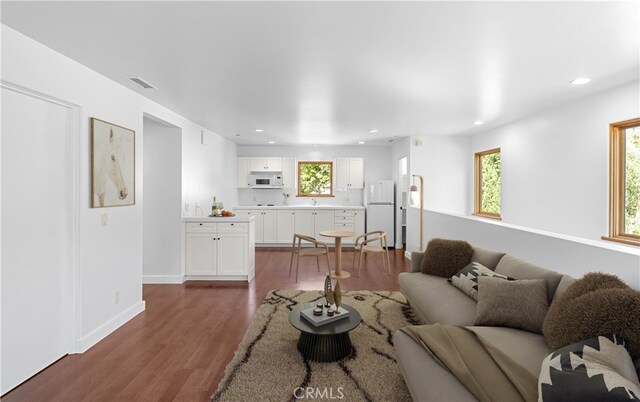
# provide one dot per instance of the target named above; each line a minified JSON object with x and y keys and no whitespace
{"x":220,"y":249}
{"x":311,"y":223}
{"x":265,"y":225}
{"x":286,"y":225}
{"x":323,"y":221}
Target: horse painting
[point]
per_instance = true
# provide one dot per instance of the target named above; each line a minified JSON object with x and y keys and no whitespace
{"x":113,"y":169}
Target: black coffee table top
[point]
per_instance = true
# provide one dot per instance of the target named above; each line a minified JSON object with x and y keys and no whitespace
{"x":337,"y":327}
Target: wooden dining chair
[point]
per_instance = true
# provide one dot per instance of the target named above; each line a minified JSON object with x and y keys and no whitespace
{"x":318,"y":249}
{"x":365,"y":244}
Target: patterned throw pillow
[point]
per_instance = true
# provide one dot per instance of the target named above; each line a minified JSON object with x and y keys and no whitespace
{"x":598,"y":369}
{"x":467,"y":279}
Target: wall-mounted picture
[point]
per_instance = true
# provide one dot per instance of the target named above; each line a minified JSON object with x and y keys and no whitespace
{"x":112,"y":165}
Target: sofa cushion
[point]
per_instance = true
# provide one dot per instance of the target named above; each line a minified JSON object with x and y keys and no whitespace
{"x":435,"y":300}
{"x":597,"y":369}
{"x":565,"y":282}
{"x":519,"y":269}
{"x":486,"y":257}
{"x":525,"y":348}
{"x":595,"y":305}
{"x":467,"y":278}
{"x":446,"y":257}
{"x":517,"y":304}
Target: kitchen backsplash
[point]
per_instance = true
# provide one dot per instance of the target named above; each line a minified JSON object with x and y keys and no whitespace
{"x":249,"y":196}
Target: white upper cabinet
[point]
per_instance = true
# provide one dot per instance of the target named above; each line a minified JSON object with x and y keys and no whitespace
{"x":288,"y":172}
{"x":350,"y":173}
{"x":260,"y":164}
{"x":244,"y":170}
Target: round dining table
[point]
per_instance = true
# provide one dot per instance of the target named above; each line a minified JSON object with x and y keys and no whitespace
{"x":338,"y":235}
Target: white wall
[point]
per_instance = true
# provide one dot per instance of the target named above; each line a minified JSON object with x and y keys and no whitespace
{"x":110,"y":257}
{"x":377,"y":166}
{"x":562,"y":253}
{"x":555,"y":163}
{"x":443,"y":161}
{"x":162,"y":212}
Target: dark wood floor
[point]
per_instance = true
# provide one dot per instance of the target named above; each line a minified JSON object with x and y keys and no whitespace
{"x":179,"y":347}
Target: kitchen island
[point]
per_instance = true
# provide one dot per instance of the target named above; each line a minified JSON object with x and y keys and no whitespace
{"x":221,"y":248}
{"x":275,"y":225}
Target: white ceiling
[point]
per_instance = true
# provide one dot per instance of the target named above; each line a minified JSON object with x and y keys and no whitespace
{"x":327,"y":72}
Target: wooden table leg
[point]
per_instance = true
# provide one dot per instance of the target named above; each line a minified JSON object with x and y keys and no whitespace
{"x":339,"y":273}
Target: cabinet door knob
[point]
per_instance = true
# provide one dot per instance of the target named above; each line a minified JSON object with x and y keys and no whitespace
{"x":201,"y":224}
{"x":232,"y":224}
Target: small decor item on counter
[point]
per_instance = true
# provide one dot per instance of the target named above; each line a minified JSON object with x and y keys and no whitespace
{"x":286,"y":198}
{"x":216,"y":208}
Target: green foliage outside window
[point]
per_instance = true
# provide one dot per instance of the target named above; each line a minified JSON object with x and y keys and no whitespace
{"x":490,"y":181}
{"x":314,"y":178}
{"x":632,"y":181}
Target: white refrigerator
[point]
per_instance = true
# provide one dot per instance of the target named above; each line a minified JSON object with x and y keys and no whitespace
{"x":379,"y":201}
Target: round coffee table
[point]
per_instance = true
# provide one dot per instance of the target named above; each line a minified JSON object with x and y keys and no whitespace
{"x":328,"y":342}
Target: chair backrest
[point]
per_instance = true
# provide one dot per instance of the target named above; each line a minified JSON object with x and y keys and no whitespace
{"x":313,"y":240}
{"x":378,"y":235}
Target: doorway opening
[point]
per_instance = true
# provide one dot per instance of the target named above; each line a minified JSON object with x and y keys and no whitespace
{"x":403,"y":198}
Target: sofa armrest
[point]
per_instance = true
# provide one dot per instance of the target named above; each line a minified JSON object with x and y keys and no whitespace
{"x":416,"y":260}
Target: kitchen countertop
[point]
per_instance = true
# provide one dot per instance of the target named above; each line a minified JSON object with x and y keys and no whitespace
{"x":231,"y":219}
{"x":333,"y":207}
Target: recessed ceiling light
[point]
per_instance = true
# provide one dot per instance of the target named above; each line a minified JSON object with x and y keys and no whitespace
{"x":271,"y":142}
{"x":373,"y":131}
{"x":315,"y":145}
{"x":478,"y":123}
{"x":258,"y":130}
{"x":581,"y":81}
{"x":360,"y":142}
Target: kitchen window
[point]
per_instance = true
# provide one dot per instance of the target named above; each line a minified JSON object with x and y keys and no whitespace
{"x":315,"y":179}
{"x":487,"y":184}
{"x":624,"y":182}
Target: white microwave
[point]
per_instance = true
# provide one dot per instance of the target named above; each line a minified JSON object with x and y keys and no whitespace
{"x":264,"y":180}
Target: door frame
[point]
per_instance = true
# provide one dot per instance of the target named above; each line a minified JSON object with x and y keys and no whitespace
{"x":72,"y":290}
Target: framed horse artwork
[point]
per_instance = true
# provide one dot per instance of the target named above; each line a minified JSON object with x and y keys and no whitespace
{"x":113,"y":150}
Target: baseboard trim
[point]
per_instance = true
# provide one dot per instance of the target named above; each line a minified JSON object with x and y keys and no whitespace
{"x":95,"y":336}
{"x":407,"y":255}
{"x":240,"y":278}
{"x":162,"y":279}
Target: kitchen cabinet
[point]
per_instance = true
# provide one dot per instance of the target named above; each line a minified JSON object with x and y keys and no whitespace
{"x":288,"y":172}
{"x":244,"y":170}
{"x":349,"y":220}
{"x":266,"y":226}
{"x":261,"y":164}
{"x":222,"y":249}
{"x":311,"y":223}
{"x":285,"y":226}
{"x":350,"y":173}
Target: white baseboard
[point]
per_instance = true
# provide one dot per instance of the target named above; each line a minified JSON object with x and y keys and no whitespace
{"x":161,"y":279}
{"x":407,"y":255}
{"x":86,"y":342}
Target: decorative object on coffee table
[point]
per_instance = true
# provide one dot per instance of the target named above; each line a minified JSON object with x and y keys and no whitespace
{"x":337,"y":297}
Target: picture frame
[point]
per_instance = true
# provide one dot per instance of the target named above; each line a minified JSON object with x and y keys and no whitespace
{"x":113,"y":165}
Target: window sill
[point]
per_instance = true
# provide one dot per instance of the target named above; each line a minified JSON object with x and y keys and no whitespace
{"x":490,"y":216}
{"x":622,"y":239}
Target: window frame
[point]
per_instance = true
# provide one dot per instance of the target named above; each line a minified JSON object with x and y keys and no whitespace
{"x":477,"y":185}
{"x":300,"y":163}
{"x":616,"y":183}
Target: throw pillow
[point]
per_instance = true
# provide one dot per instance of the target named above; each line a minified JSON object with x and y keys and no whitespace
{"x":596,"y":304}
{"x":446,"y":257}
{"x":516,"y":304}
{"x":467,"y":279}
{"x":597,"y":369}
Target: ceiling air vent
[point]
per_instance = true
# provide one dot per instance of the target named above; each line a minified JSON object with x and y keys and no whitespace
{"x":144,"y":84}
